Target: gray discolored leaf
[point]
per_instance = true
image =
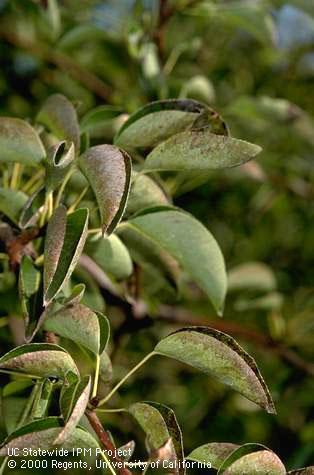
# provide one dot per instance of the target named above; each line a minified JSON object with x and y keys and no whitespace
{"x":220,"y":356}
{"x":108,"y":170}
{"x":214,"y":453}
{"x":19,"y":142}
{"x":39,"y":359}
{"x":59,"y":160}
{"x":62,"y":263}
{"x":200,"y":150}
{"x":80,"y":324}
{"x":59,"y":116}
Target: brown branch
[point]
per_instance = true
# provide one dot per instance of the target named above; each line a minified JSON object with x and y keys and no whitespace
{"x":107,"y":443}
{"x":61,"y":61}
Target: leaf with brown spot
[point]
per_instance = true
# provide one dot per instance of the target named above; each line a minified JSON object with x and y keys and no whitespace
{"x":19,"y":142}
{"x":220,"y":356}
{"x":108,"y":170}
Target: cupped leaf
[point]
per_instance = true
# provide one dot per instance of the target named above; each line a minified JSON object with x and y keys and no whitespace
{"x":59,"y":116}
{"x":200,"y":149}
{"x":61,"y":261}
{"x":214,"y":453}
{"x":157,"y":121}
{"x":144,"y":193}
{"x":251,"y":275}
{"x":19,"y":142}
{"x":252,"y":459}
{"x":59,"y":160}
{"x":80,"y":324}
{"x":220,"y":356}
{"x":190,"y":243}
{"x":41,"y":434}
{"x":39,"y":359}
{"x":108,"y":170}
{"x":11,"y":203}
{"x":160,"y":424}
{"x":112,"y":256}
{"x":76,"y":409}
{"x":32,"y":208}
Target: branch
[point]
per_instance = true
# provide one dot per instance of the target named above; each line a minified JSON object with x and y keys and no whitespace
{"x":106,"y":442}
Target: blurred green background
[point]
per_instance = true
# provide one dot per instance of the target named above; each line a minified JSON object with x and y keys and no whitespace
{"x":253,"y":62}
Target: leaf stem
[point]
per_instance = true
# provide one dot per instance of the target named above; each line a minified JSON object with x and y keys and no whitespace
{"x":33,"y":179}
{"x":16,"y":173}
{"x":122,"y":409}
{"x":108,"y":463}
{"x":16,"y":373}
{"x":96,"y":377}
{"x":114,"y":390}
{"x":62,"y":187}
{"x":78,"y":200}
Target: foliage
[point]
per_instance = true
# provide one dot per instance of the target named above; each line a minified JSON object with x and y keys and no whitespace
{"x":118,"y":217}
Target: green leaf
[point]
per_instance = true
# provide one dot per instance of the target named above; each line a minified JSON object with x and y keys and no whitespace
{"x":39,"y":359}
{"x":41,"y":434}
{"x":160,"y":424}
{"x":108,"y":171}
{"x":252,"y":459}
{"x":59,"y":116}
{"x":60,"y":262}
{"x":144,"y":193}
{"x":11,"y":203}
{"x":98,"y":117}
{"x":200,"y":150}
{"x":157,"y":121}
{"x":112,"y":256}
{"x":19,"y":142}
{"x":80,"y":324}
{"x":251,"y":275}
{"x":220,"y":356}
{"x":80,"y":397}
{"x":12,"y":411}
{"x":190,"y":243}
{"x":214,"y":453}
{"x":59,"y":160}
{"x":42,"y":400}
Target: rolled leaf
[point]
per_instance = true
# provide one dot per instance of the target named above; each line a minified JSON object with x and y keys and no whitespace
{"x":39,"y":359}
{"x":59,"y":161}
{"x":60,"y":264}
{"x":80,"y":324}
{"x":41,"y":434}
{"x":19,"y":142}
{"x":190,"y":243}
{"x":200,"y":150}
{"x":79,"y":401}
{"x":160,"y":424}
{"x":59,"y":116}
{"x":108,"y":170}
{"x":220,"y":356}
